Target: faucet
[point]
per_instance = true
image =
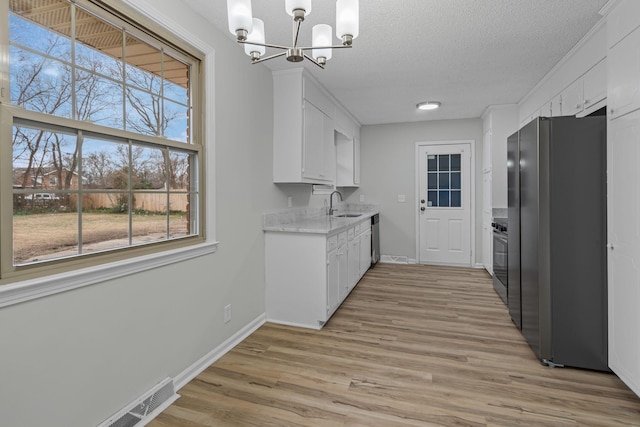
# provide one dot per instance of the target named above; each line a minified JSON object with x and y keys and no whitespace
{"x":331,"y":210}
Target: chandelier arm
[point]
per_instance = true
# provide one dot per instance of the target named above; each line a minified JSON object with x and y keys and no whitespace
{"x":340,"y":46}
{"x":313,"y":60}
{"x":275,"y":46}
{"x":296,"y":32}
{"x":266,"y":58}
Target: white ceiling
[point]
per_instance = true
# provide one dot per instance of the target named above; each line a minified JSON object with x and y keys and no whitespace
{"x":467,"y":54}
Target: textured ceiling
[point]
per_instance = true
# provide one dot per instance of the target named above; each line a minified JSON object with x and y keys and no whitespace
{"x":467,"y":54}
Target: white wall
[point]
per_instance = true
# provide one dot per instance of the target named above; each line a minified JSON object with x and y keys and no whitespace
{"x":75,"y":358}
{"x":388,"y":169}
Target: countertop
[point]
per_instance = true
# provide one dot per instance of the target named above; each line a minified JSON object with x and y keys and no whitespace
{"x":319,"y":224}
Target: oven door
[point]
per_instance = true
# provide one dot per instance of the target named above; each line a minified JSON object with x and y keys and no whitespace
{"x":500,"y":265}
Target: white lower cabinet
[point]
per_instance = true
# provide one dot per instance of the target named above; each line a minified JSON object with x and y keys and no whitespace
{"x":354,"y":259}
{"x":333,"y":281}
{"x":309,"y":275}
{"x":343,"y":259}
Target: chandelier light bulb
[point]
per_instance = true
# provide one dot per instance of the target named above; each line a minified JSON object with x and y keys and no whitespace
{"x":347,"y":20}
{"x":321,"y":36}
{"x":291,"y":5}
{"x":256,"y":35}
{"x":240,"y":18}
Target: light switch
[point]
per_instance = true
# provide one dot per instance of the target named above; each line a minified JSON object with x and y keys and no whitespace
{"x":402,"y":198}
{"x":362,"y":197}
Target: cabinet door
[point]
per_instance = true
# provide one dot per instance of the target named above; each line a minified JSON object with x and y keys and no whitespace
{"x":595,"y":84}
{"x":623,"y":237}
{"x":354,"y":262}
{"x":333,"y":281}
{"x":313,"y":143}
{"x":356,"y":160}
{"x":623,"y":75}
{"x":343,"y":260}
{"x":365,"y":252}
{"x":572,"y":98}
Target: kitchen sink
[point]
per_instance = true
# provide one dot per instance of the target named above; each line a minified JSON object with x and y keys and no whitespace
{"x":348,"y":215}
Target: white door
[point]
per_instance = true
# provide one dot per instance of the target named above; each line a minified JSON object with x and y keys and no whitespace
{"x":444,"y":202}
{"x":623,"y":236}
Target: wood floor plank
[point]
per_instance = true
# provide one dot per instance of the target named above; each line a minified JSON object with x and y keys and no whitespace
{"x":412,"y":345}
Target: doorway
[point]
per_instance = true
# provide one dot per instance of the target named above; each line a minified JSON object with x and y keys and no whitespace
{"x":445,"y":202}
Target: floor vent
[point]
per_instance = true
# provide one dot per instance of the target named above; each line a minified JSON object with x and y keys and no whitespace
{"x":392,"y":259}
{"x":144,"y":409}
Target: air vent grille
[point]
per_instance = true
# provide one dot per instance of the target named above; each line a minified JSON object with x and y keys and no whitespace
{"x":143,"y":410}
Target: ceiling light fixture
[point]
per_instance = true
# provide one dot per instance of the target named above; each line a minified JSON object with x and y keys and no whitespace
{"x":429,"y":105}
{"x":250,"y":31}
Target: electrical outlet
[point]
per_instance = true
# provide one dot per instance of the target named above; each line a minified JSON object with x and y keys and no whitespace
{"x":402,"y":198}
{"x":227,"y":313}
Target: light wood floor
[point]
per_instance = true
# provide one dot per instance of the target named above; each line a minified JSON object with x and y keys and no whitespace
{"x":411,"y":346}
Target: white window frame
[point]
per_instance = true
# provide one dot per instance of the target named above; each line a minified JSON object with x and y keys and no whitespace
{"x":26,"y":290}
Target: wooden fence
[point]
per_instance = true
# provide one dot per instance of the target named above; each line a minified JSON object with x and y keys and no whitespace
{"x":153,"y":202}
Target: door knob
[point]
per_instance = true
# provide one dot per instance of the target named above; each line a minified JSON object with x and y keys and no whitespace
{"x":422,"y":208}
{"x":422,"y":201}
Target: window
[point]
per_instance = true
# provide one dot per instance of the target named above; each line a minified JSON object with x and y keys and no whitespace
{"x":444,"y":180}
{"x":106,"y":158}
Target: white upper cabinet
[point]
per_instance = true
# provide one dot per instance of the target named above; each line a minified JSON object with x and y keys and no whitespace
{"x":586,"y":94}
{"x":624,"y":75}
{"x":315,"y":140}
{"x":303,"y":136}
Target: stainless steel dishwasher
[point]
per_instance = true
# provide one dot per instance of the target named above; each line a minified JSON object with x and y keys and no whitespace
{"x":375,"y":239}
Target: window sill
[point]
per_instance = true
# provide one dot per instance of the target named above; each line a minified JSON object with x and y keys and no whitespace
{"x":17,"y":293}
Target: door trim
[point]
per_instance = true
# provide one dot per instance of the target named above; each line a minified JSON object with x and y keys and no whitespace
{"x":472,"y":228}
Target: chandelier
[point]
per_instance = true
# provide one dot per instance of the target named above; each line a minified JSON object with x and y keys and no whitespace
{"x":249,"y":31}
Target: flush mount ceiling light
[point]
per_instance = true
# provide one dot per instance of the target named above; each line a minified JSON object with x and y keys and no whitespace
{"x":429,"y":105}
{"x":249,"y":31}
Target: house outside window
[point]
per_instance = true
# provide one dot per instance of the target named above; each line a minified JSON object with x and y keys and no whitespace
{"x":106,"y":157}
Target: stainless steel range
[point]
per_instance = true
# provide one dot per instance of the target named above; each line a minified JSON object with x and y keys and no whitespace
{"x":500,"y":257}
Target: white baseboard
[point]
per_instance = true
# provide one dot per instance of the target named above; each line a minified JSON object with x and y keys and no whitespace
{"x":204,"y":362}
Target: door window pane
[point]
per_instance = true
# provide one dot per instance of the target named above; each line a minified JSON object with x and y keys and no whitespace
{"x":432,"y":198}
{"x":443,"y":162}
{"x":456,"y":200}
{"x":443,"y":182}
{"x":432,"y":182}
{"x":455,"y":180}
{"x":443,"y":198}
{"x":455,"y":162}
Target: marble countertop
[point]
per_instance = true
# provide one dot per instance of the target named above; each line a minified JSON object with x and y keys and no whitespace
{"x":297,"y":221}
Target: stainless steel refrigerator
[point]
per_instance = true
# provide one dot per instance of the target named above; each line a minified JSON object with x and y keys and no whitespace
{"x":557,"y":290}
